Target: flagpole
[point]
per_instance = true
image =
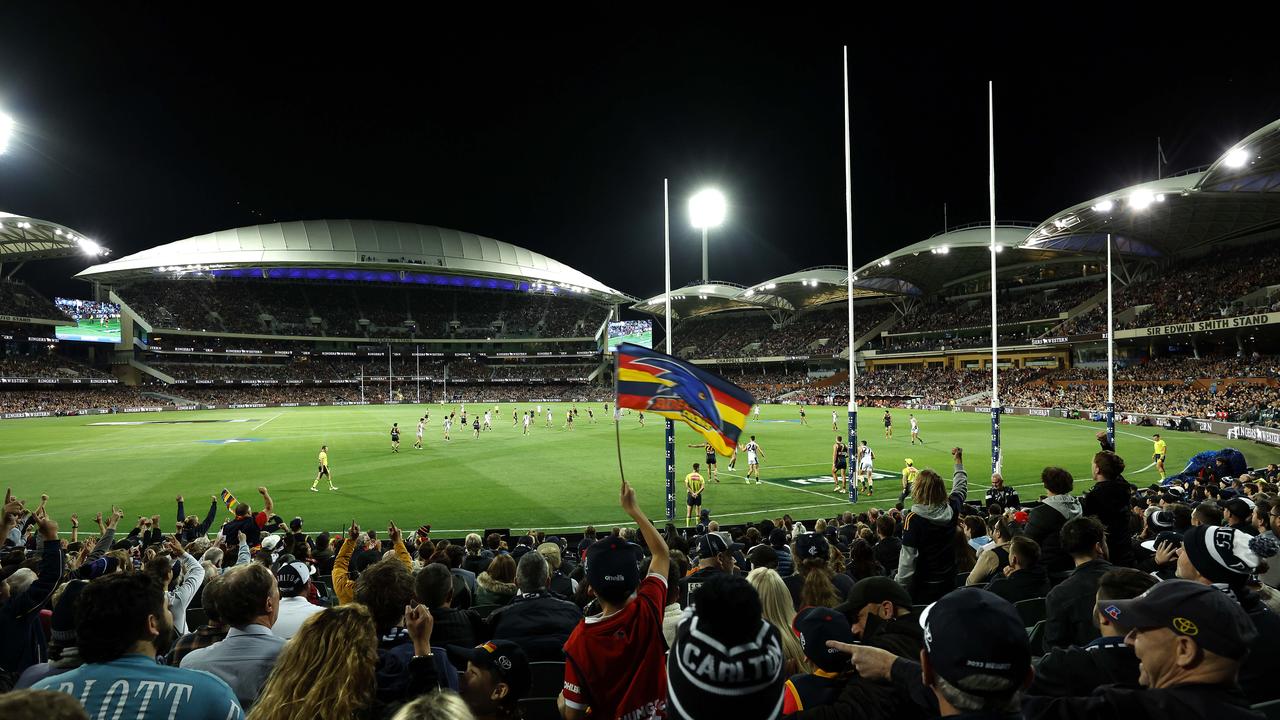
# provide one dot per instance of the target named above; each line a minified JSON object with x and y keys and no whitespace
{"x":995,"y":338}
{"x":1111,"y":363}
{"x":670,"y":425}
{"x":851,"y":457}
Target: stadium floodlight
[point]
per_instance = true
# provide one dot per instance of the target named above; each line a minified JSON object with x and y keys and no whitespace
{"x":1234,"y":159}
{"x":6,"y":131}
{"x":1104,"y":207}
{"x":1141,"y":199}
{"x":706,"y":210}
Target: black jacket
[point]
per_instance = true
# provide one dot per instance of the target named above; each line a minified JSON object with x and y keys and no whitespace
{"x":1077,"y":671}
{"x":1069,"y":607}
{"x":463,"y":628}
{"x":1021,"y":585}
{"x":1109,"y":502}
{"x":539,"y":623}
{"x":886,"y":553}
{"x":476,"y":563}
{"x":1112,"y":702}
{"x":1006,"y":496}
{"x":1044,"y":523}
{"x":188,"y":534}
{"x":1258,"y":674}
{"x":863,"y":699}
{"x":927,"y":562}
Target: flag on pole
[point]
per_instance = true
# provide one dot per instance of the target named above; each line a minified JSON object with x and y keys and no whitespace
{"x":655,"y":382}
{"x":227,"y":498}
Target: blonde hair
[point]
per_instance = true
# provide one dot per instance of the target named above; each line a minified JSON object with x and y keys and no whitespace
{"x":326,"y":671}
{"x":929,"y":489}
{"x":443,"y":705}
{"x":775,"y":601}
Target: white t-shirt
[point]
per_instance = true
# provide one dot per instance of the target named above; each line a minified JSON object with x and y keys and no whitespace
{"x":914,"y":426}
{"x":419,"y":429}
{"x":293,"y":612}
{"x":867,"y":456}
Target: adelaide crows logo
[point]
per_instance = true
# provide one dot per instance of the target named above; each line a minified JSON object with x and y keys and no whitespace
{"x":681,"y":392}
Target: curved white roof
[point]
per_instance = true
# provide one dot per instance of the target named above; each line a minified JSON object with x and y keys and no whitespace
{"x":368,"y":244}
{"x":25,"y":238}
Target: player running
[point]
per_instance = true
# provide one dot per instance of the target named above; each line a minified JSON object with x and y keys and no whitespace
{"x":888,"y":425}
{"x":915,"y":431}
{"x":835,"y":422}
{"x":866,"y":468}
{"x":475,"y":427}
{"x":515,"y":417}
{"x":641,"y":418}
{"x":754,"y":456}
{"x":693,"y":485}
{"x":548,"y":416}
{"x":840,"y":465}
{"x":909,"y":474}
{"x":487,"y":425}
{"x":711,"y":459}
{"x":733,"y":460}
{"x":1160,"y":452}
{"x":803,"y":421}
{"x":323,"y":471}
{"x":526,"y":424}
{"x":448,"y":426}
{"x":591,"y":416}
{"x":757,"y":412}
{"x":568,"y":420}
{"x":395,"y":437}
{"x":417,"y":443}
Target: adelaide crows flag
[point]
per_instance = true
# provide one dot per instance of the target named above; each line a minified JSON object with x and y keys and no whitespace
{"x":654,"y":382}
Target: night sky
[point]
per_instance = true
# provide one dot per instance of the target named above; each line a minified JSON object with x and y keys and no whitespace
{"x":138,"y":129}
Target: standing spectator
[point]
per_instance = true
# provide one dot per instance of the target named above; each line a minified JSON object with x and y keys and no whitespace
{"x":192,"y":578}
{"x":1045,"y":521}
{"x":727,"y":660}
{"x":1069,"y":607}
{"x":22,"y":641}
{"x":191,"y":527}
{"x":122,"y":620}
{"x":1077,"y":670}
{"x":294,"y":581}
{"x":214,"y":630}
{"x":888,"y":547}
{"x":615,"y":660}
{"x":1001,"y":494}
{"x":248,"y":522}
{"x":1024,"y":578}
{"x":249,"y":602}
{"x":536,"y":620}
{"x":1108,"y":500}
{"x":343,"y":587}
{"x":927,"y":564}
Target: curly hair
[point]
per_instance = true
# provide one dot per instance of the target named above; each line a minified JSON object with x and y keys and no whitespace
{"x":326,"y":671}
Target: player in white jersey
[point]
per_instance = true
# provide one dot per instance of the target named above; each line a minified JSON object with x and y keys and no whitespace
{"x":835,"y":422}
{"x":866,"y":468}
{"x":548,"y":416}
{"x":591,"y":416}
{"x":417,"y":444}
{"x":448,"y":425}
{"x":915,"y":431}
{"x":617,"y":414}
{"x":757,"y":411}
{"x":539,"y":410}
{"x":487,"y":426}
{"x":754,"y":456}
{"x":527,"y":417}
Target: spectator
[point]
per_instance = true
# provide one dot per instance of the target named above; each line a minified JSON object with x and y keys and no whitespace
{"x":816,"y":585}
{"x":888,"y":547}
{"x":880,"y":614}
{"x":975,"y":532}
{"x":1077,"y":670}
{"x":496,"y":585}
{"x":816,"y":626}
{"x":1108,"y":500}
{"x":1271,"y":577}
{"x":22,"y":640}
{"x":249,"y":602}
{"x":927,"y":564}
{"x":248,"y":522}
{"x":63,"y":653}
{"x":560,"y":584}
{"x":436,"y":706}
{"x":192,"y":528}
{"x":762,"y":556}
{"x":343,"y":586}
{"x":497,"y":677}
{"x":386,"y":588}
{"x":477,"y":559}
{"x":433,"y":587}
{"x":615,"y":660}
{"x":454,"y":557}
{"x":121,"y":621}
{"x":1225,"y":557}
{"x":727,"y":659}
{"x":1024,"y":578}
{"x":325,"y":671}
{"x":1069,"y":607}
{"x":779,"y":611}
{"x":536,"y":620}
{"x":294,"y":581}
{"x":1001,"y":494}
{"x":40,"y":705}
{"x":994,"y":557}
{"x":191,"y":579}
{"x":715,"y":556}
{"x":672,"y":613}
{"x":778,"y":541}
{"x":1189,"y":640}
{"x":862,"y":563}
{"x":214,"y":630}
{"x":1239,"y":515}
{"x":1045,"y":521}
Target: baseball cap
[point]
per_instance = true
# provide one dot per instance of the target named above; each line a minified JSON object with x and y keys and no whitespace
{"x":1241,"y":507}
{"x":815,"y":626}
{"x":293,"y":578}
{"x":1163,"y":537}
{"x":295,"y":524}
{"x":611,"y":563}
{"x":778,"y":537}
{"x":504,"y":659}
{"x":876,"y":589}
{"x":762,"y":556}
{"x":1162,"y":519}
{"x":975,"y":632}
{"x":270,"y":542}
{"x":1226,"y":555}
{"x":812,"y":546}
{"x":909,"y":461}
{"x":713,"y":544}
{"x":1187,"y":607}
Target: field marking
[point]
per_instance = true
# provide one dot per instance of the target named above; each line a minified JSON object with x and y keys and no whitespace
{"x":264,"y":422}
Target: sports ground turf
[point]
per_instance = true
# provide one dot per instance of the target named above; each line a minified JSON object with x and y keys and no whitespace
{"x":552,"y":479}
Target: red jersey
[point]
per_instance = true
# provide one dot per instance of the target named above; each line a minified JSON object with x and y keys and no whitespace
{"x":616,"y":665}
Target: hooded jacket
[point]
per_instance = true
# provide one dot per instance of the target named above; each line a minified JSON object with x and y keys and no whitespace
{"x":927,"y":561}
{"x":1045,"y":521}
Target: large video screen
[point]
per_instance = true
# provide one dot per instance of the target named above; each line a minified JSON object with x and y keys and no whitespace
{"x":637,"y":332}
{"x":95,"y":321}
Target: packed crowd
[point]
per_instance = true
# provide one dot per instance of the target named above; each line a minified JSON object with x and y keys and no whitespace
{"x":22,"y":331}
{"x":74,"y":401}
{"x":1114,"y":602}
{"x":45,"y":365}
{"x":328,"y":369}
{"x":16,"y":298}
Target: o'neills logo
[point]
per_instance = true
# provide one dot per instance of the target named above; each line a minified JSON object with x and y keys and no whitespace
{"x":615,"y":578}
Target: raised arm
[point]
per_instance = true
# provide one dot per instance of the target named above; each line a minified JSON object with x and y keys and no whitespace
{"x":960,"y":478}
{"x":652,"y":538}
{"x":182,"y":515}
{"x":267,"y":503}
{"x":342,"y":585}
{"x":203,"y":528}
{"x":397,"y":545}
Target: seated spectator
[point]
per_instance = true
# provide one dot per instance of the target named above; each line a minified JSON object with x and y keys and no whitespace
{"x":441,"y":705}
{"x":22,"y":640}
{"x":1069,"y":607}
{"x":536,"y":620}
{"x":40,"y":705}
{"x":214,"y":630}
{"x":294,"y":581}
{"x":994,"y":557}
{"x":831,"y":667}
{"x":927,"y":564}
{"x":1077,"y":670}
{"x":248,"y":601}
{"x":1024,"y":578}
{"x":862,"y":564}
{"x":615,"y":660}
{"x":715,"y":556}
{"x":1239,"y":515}
{"x":1001,"y":494}
{"x":880,"y":614}
{"x":477,"y":558}
{"x":672,"y":613}
{"x":1045,"y":521}
{"x":561,"y":584}
{"x":123,"y":618}
{"x":386,"y":588}
{"x":1190,"y":641}
{"x":496,"y":585}
{"x":727,"y":660}
{"x":815,"y":584}
{"x":779,"y":611}
{"x":778,"y":541}
{"x":433,"y":587}
{"x":64,"y":655}
{"x":497,"y":677}
{"x":975,"y":532}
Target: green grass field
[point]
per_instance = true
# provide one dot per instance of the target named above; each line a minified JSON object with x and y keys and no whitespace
{"x":91,"y":330}
{"x":552,"y":479}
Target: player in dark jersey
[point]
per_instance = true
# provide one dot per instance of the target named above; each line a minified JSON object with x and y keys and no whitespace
{"x":888,"y":424}
{"x":395,"y":437}
{"x":641,"y":418}
{"x":840,"y":465}
{"x":475,"y":427}
{"x":711,"y":459}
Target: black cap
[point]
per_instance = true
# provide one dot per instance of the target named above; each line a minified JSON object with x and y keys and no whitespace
{"x":762,"y":556}
{"x":505,"y":659}
{"x":1202,"y":612}
{"x":1162,"y":519}
{"x":815,"y":626}
{"x":812,"y":546}
{"x":975,"y":632}
{"x":611,"y":563}
{"x":295,"y":524}
{"x":778,"y":537}
{"x":876,"y":589}
{"x":1241,"y":507}
{"x":712,"y":544}
{"x":1165,"y":536}
{"x":292,"y":579}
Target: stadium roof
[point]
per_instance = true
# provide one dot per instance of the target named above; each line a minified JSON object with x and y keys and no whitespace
{"x":966,"y":252}
{"x":1238,"y":196}
{"x":405,"y":252}
{"x":715,"y":296}
{"x":24,"y":238}
{"x":820,"y":285}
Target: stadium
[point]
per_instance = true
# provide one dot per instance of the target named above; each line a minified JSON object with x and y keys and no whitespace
{"x":310,"y":380}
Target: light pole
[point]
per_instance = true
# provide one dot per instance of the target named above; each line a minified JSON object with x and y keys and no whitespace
{"x":706,"y":210}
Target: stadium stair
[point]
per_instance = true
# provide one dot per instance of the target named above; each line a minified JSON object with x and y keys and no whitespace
{"x":176,"y":400}
{"x":888,"y":324}
{"x":165,"y":378}
{"x":1092,"y":302}
{"x":974,"y":398}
